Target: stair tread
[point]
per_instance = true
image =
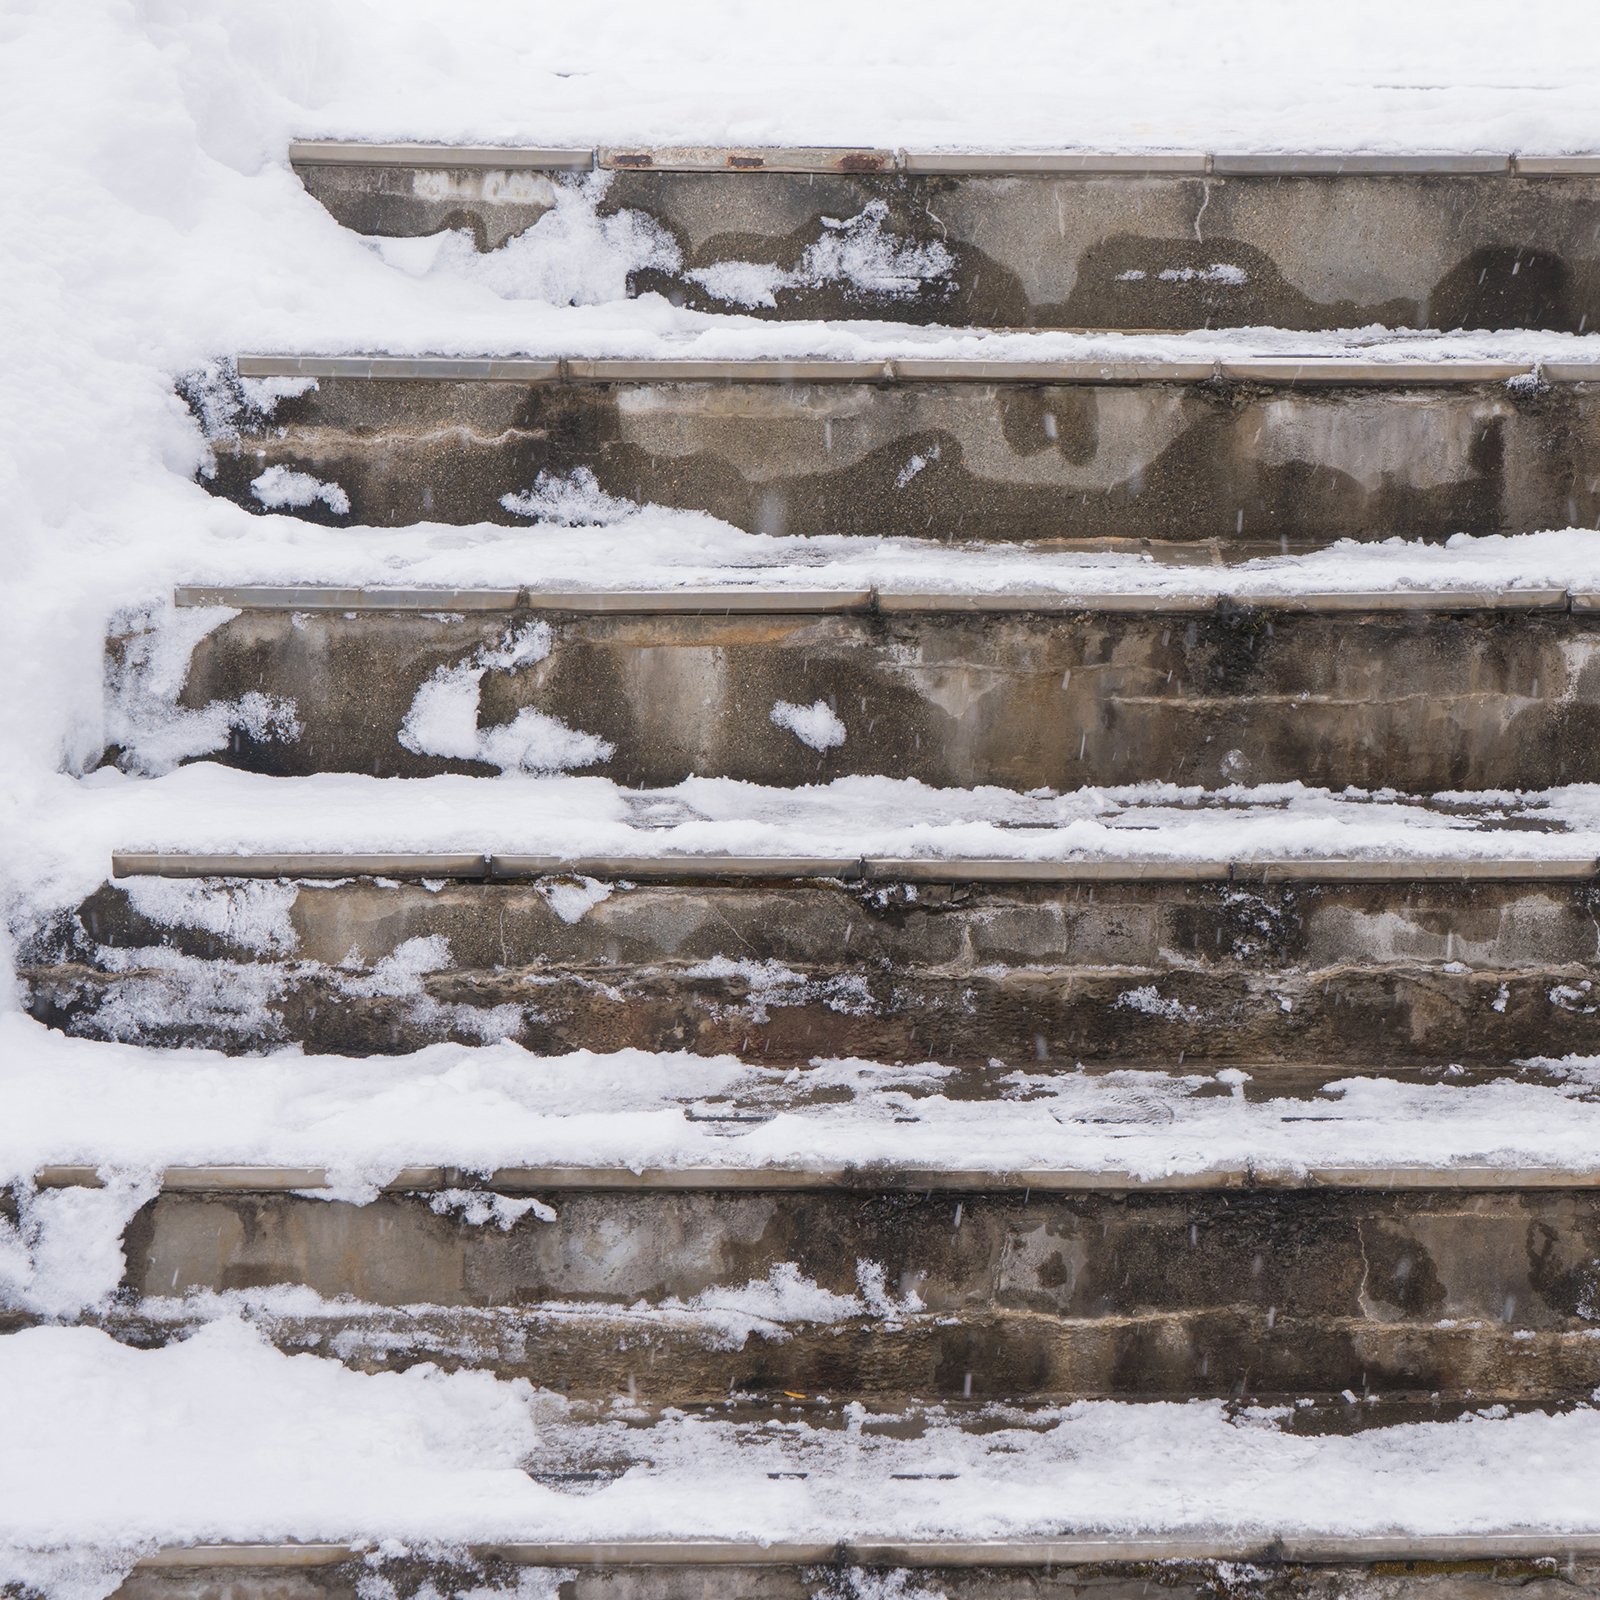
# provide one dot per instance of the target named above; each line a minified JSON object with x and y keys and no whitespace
{"x":562,"y":822}
{"x":348,"y":1125}
{"x":121,"y":1448}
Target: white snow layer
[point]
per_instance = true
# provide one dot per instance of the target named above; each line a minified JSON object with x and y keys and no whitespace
{"x":119,"y":1450}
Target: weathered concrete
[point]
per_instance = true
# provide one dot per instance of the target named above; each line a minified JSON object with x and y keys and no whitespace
{"x":1057,"y":249}
{"x":1243,"y":1571}
{"x":1022,"y":1297}
{"x":1422,"y":701}
{"x":1247,"y":465}
{"x":1297,"y":979}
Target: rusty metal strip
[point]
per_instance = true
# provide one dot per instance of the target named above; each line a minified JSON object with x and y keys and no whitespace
{"x":751,"y":158}
{"x":1057,"y":163}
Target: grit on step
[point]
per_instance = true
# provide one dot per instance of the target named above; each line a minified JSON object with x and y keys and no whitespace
{"x":1310,"y":973}
{"x":1182,"y":241}
{"x":680,"y":1297}
{"x":1493,"y":695}
{"x":1290,"y":451}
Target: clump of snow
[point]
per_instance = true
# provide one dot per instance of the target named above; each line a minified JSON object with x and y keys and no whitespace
{"x":251,"y":913}
{"x":817,"y":724}
{"x":145,"y":675}
{"x":572,"y":899}
{"x":855,"y":251}
{"x":477,"y":1207}
{"x":443,"y":719}
{"x":282,"y":489}
{"x":61,"y":1252}
{"x":569,"y":500}
{"x":1148,"y":999}
{"x":572,"y":256}
{"x":915,"y":465}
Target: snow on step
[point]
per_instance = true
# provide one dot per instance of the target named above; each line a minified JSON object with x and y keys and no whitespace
{"x":1068,"y":239}
{"x":121,"y":1454}
{"x":1216,"y":446}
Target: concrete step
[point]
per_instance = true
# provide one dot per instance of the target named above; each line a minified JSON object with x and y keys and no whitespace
{"x":904,"y":1291}
{"x":1189,"y":1568}
{"x":1185,"y":240}
{"x":1304,"y":968}
{"x":1292,"y":451}
{"x":1499,"y":691}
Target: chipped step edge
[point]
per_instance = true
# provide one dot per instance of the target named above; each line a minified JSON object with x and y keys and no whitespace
{"x":719,"y":600}
{"x":1269,"y":370}
{"x":1065,"y":1551}
{"x":495,"y":867}
{"x":877,"y":1178}
{"x":978,"y":163}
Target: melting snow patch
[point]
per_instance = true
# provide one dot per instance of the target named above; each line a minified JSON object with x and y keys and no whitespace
{"x":572,"y":256}
{"x":854,"y":251}
{"x":815,"y":724}
{"x":572,"y":899}
{"x":477,"y":1207}
{"x":443,"y":719}
{"x":571,"y":500}
{"x":1146,"y":999}
{"x":146,"y":675}
{"x":250,"y":913}
{"x":63,"y":1253}
{"x":914,"y":466}
{"x":279,"y":488}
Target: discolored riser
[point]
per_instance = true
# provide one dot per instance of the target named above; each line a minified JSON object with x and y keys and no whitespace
{"x":970,"y":461}
{"x":1376,"y":974}
{"x":1422,"y":703}
{"x":1553,"y":1578}
{"x":1000,"y":1295}
{"x":1133,"y":251}
{"x":1019,"y":1356}
{"x":1316,"y":1025}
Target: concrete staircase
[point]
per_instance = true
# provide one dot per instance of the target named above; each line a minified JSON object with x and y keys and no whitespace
{"x":928,"y":1289}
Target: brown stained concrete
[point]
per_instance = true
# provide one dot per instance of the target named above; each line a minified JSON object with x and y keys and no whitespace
{"x":1421,"y":702}
{"x":1552,"y":1578}
{"x":1047,"y":250}
{"x":1020,"y":1297}
{"x":1302,"y":981}
{"x":1183,"y":462}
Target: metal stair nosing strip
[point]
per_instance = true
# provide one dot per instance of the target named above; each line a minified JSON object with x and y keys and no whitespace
{"x":496,"y":867}
{"x":717,"y":600}
{"x":1281,"y":370}
{"x":846,"y":160}
{"x":868,"y":1178}
{"x":1063,"y":1551}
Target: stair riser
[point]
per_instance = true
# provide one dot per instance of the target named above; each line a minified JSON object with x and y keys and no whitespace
{"x":1021,"y":1357}
{"x":1133,"y":1295}
{"x":1421,"y":702}
{"x":1085,"y":252}
{"x":1246,"y":465}
{"x":1294,"y":973}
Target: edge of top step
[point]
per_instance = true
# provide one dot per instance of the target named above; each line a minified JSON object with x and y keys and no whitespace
{"x":853,"y":160}
{"x":1291,"y":369}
